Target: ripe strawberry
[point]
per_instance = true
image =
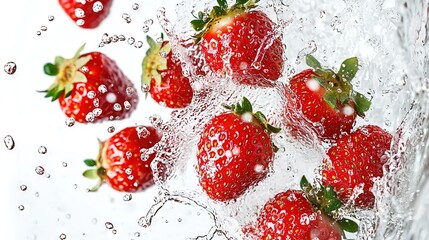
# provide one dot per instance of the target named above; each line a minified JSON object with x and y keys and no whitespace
{"x":240,"y":41}
{"x":301,"y":215}
{"x":91,"y":88}
{"x":354,"y":161}
{"x":326,"y":99}
{"x":86,"y":13}
{"x":164,"y":76}
{"x":234,"y":152}
{"x":124,"y":160}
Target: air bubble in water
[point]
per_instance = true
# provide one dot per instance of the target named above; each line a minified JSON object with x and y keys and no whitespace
{"x":145,"y":28}
{"x":63,"y":236}
{"x":155,"y":120}
{"x":79,"y":13}
{"x":36,"y":194}
{"x":102,"y":88}
{"x":117,"y":107}
{"x":90,"y":117}
{"x":127,"y":105}
{"x":43,"y":28}
{"x":130,"y":91}
{"x":142,"y":131}
{"x":111,"y":129}
{"x":143,"y":222}
{"x":121,"y":37}
{"x":131,"y":40}
{"x":70,"y":121}
{"x":109,"y":225}
{"x":138,"y":44}
{"x":114,"y":231}
{"x":145,"y":88}
{"x":51,"y":18}
{"x":64,"y":164}
{"x":115,"y":38}
{"x":84,"y":69}
{"x":163,"y":54}
{"x":97,"y":111}
{"x":10,"y":68}
{"x":126,"y":17}
{"x":91,"y":94}
{"x":135,"y":6}
{"x":47,"y":175}
{"x":80,"y":22}
{"x":21,"y":207}
{"x":23,"y":187}
{"x":42,"y":150}
{"x":97,"y":6}
{"x":94,"y":221}
{"x":148,"y":22}
{"x":96,"y":102}
{"x":38,"y":33}
{"x":128,"y":197}
{"x":9,"y":142}
{"x":40,"y":170}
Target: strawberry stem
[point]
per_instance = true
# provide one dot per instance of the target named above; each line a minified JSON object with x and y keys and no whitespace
{"x":99,"y":172}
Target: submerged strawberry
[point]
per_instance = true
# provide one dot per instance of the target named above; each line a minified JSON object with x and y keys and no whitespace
{"x":240,"y":41}
{"x":234,"y":152}
{"x":86,"y":13}
{"x":163,"y":74}
{"x":326,"y":99}
{"x":124,"y":160}
{"x":301,"y":215}
{"x":91,"y":88}
{"x":354,"y":161}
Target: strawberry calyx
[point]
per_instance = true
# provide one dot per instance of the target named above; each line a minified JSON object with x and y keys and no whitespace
{"x":204,"y":21}
{"x":245,"y":111}
{"x":325,"y":199}
{"x":339,"y":88}
{"x":155,"y":60}
{"x":99,"y":172}
{"x":66,"y":73}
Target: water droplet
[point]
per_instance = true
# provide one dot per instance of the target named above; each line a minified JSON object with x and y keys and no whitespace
{"x":97,"y":6}
{"x":135,"y":6}
{"x":38,"y":33}
{"x":179,"y":220}
{"x":102,"y":88}
{"x":75,"y":186}
{"x":117,"y":107}
{"x":91,"y":94}
{"x":111,"y":129}
{"x":145,"y":88}
{"x":109,"y":225}
{"x":64,"y":164}
{"x":97,"y":111}
{"x":105,"y":38}
{"x":155,"y":120}
{"x":47,"y":175}
{"x":84,"y":69}
{"x":90,"y":117}
{"x":70,"y":121}
{"x":79,"y":13}
{"x":9,"y":142}
{"x":42,"y":150}
{"x":40,"y":170}
{"x":127,"y":105}
{"x":145,"y":28}
{"x":80,"y":22}
{"x":43,"y":28}
{"x":63,"y":236}
{"x":142,"y":131}
{"x":163,"y":54}
{"x":36,"y":194}
{"x":130,"y":91}
{"x":138,"y":44}
{"x":96,"y":102}
{"x":143,"y":222}
{"x":23,"y":187}
{"x":126,"y":17}
{"x":114,"y":231}
{"x":131,"y":40}
{"x":10,"y":68}
{"x":51,"y":18}
{"x":128,"y":197}
{"x":21,"y":207}
{"x":148,"y":22}
{"x":121,"y":38}
{"x":94,"y":221}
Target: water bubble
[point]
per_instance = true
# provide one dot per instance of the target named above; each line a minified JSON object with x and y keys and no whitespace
{"x":138,"y":44}
{"x":75,"y":186}
{"x":90,"y":117}
{"x":155,"y":120}
{"x":70,"y":121}
{"x":63,"y":236}
{"x":117,"y":107}
{"x":97,"y":6}
{"x":126,"y":17}
{"x":114,"y":231}
{"x":115,"y":38}
{"x":97,"y":111}
{"x":128,"y":197}
{"x":111,"y":129}
{"x":42,"y":150}
{"x":80,"y":22}
{"x":105,"y":38}
{"x":159,"y":40}
{"x":43,"y":28}
{"x":145,"y":88}
{"x":51,"y":18}
{"x":84,"y":69}
{"x":163,"y":54}
{"x":47,"y":175}
{"x":135,"y":6}
{"x":108,"y":225}
{"x":21,"y":207}
{"x":136,"y":234}
{"x":130,"y":91}
{"x":179,"y":220}
{"x":127,"y":105}
{"x":10,"y":68}
{"x":36,"y":194}
{"x":38,"y":33}
{"x":9,"y":142}
{"x":121,"y":37}
{"x":148,"y":22}
{"x":96,"y":102}
{"x":40,"y":170}
{"x":143,"y":222}
{"x":131,"y":40}
{"x":23,"y":187}
{"x":145,"y":28}
{"x":94,"y":221}
{"x":79,"y":13}
{"x":64,"y":164}
{"x":128,"y":171}
{"x":102,"y":88}
{"x":91,"y":94}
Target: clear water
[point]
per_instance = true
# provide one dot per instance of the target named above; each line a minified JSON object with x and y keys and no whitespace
{"x":390,"y":38}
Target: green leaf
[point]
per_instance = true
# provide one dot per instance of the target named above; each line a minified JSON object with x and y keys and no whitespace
{"x":201,"y":15}
{"x":329,"y":192}
{"x":344,"y":97}
{"x":50,"y":69}
{"x":247,"y":106}
{"x":348,"y":225}
{"x":331,"y":99}
{"x":90,"y":162}
{"x":57,"y":94}
{"x":218,"y":11}
{"x":333,"y":205}
{"x":273,"y":129}
{"x":198,"y":25}
{"x":312,"y":62}
{"x":223,"y":4}
{"x":261,"y":117}
{"x":241,"y":2}
{"x":348,"y":69}
{"x":91,"y":174}
{"x":304,"y":183}
{"x":362,"y":104}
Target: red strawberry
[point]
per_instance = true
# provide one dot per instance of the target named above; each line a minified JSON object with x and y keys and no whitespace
{"x":124,"y":159}
{"x":164,"y":76}
{"x":86,"y":13}
{"x":91,"y":88}
{"x":301,"y":215}
{"x":354,"y":161}
{"x":327,"y":99}
{"x":234,"y":152}
{"x":240,"y":40}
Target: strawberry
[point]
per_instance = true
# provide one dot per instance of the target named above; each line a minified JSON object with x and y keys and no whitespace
{"x":301,"y":215}
{"x":164,"y":76}
{"x":124,"y":160}
{"x":326,"y":99}
{"x":91,"y":88}
{"x":86,"y":13}
{"x":234,"y":152}
{"x":354,"y":161}
{"x":240,"y":40}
